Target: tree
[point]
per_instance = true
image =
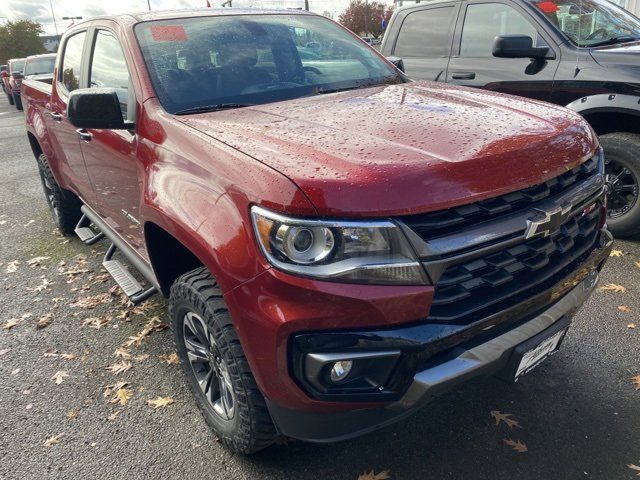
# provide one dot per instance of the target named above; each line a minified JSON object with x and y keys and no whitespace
{"x":362,"y":18}
{"x":20,"y":39}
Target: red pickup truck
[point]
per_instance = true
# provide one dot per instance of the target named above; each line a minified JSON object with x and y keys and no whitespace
{"x":338,"y":243}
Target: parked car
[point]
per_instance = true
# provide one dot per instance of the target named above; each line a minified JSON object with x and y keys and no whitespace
{"x":11,"y":78}
{"x":3,"y":68}
{"x":582,"y":55}
{"x":327,"y":274}
{"x":40,"y":67}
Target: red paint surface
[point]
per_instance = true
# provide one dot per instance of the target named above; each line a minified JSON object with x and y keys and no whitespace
{"x":368,"y":153}
{"x":168,"y":33}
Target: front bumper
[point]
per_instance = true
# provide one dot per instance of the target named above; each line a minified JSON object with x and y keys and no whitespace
{"x":454,"y":356}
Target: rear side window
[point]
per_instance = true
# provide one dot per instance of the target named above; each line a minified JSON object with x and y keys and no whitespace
{"x":426,"y":33}
{"x":485,"y":21}
{"x":109,"y":68}
{"x":71,"y":61}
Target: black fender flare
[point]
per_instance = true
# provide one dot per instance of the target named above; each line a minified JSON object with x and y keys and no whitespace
{"x":606,"y":102}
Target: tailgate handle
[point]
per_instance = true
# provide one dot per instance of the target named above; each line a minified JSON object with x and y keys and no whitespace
{"x":84,"y":135}
{"x":56,"y":116}
{"x":463,"y":75}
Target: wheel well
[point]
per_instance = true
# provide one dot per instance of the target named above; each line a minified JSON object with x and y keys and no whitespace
{"x":169,"y":258}
{"x":35,"y":146}
{"x":609,"y":122}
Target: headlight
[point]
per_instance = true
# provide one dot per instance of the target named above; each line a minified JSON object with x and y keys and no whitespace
{"x":374,"y":252}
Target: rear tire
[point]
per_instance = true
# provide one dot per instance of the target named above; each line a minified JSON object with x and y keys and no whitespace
{"x":17,"y":100}
{"x":10,"y":98}
{"x":215,"y":365}
{"x":622,"y":165}
{"x":64,"y":205}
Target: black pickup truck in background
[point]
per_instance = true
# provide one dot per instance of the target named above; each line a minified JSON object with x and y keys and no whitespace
{"x":582,"y":54}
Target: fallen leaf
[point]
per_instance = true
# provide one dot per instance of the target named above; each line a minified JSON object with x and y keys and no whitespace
{"x":72,"y":414}
{"x":12,"y":266}
{"x":96,"y":322}
{"x":4,"y":351}
{"x":68,"y":356}
{"x":637,"y":264}
{"x":36,"y":261}
{"x":122,"y":396}
{"x":612,"y":287}
{"x":59,"y":376}
{"x":504,"y":417}
{"x":43,"y":286}
{"x":121,"y":352}
{"x":118,"y":368}
{"x":631,"y":325}
{"x":114,"y":415}
{"x":110,"y":389}
{"x":44,"y":321}
{"x":12,"y":322}
{"x":50,"y":352}
{"x":383,"y":475}
{"x":624,"y":308}
{"x":91,"y":302}
{"x":518,"y":446}
{"x":141,"y":358}
{"x":636,"y":381}
{"x":53,"y":440}
{"x":160,"y":402}
{"x":616,"y":253}
{"x":170,"y":359}
{"x":15,"y":372}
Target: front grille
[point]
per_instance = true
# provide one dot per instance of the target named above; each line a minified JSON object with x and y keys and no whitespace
{"x":477,"y":288}
{"x":436,"y":224}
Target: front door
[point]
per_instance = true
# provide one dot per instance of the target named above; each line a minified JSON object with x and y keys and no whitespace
{"x":473,"y":64}
{"x":110,"y":155}
{"x":424,"y":41}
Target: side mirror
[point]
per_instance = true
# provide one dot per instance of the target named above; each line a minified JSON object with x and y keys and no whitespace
{"x":517,"y":46}
{"x":17,"y":75}
{"x":96,"y":108}
{"x":397,"y":61}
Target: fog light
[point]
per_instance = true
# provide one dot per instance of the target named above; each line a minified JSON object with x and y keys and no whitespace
{"x":340,"y":370}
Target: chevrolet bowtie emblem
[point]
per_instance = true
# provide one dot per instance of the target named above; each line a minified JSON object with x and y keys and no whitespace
{"x":547,"y":222}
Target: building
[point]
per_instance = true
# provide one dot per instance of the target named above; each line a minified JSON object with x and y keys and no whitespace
{"x":50,"y":42}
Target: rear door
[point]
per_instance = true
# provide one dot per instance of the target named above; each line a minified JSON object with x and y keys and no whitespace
{"x":424,"y":40}
{"x":110,"y":155}
{"x":473,"y":64}
{"x":64,"y":140}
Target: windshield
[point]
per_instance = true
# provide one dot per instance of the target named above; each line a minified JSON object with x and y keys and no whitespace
{"x":589,"y":23}
{"x":17,"y":65}
{"x":208,"y":63}
{"x":37,"y":66}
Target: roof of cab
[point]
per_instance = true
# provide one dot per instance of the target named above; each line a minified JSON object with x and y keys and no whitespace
{"x":191,"y":12}
{"x":425,"y":3}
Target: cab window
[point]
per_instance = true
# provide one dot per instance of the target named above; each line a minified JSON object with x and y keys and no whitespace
{"x":426,"y":33}
{"x":109,"y":67}
{"x":484,"y":22}
{"x":72,"y":60}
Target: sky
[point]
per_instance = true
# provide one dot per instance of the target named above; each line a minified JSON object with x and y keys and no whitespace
{"x":40,"y":10}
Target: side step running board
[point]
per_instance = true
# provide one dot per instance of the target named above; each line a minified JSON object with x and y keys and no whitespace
{"x":85,"y":233}
{"x":131,"y":287}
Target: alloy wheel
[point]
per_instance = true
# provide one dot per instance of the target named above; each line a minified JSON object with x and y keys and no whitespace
{"x":208,"y":366}
{"x":622,"y":186}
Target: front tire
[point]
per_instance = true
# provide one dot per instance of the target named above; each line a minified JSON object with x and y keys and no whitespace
{"x":17,"y":100}
{"x":10,"y":98}
{"x":622,"y":168}
{"x":64,"y":205}
{"x":215,"y":365}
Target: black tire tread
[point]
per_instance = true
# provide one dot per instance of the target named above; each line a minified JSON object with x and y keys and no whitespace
{"x":67,"y":203}
{"x":255,"y":428}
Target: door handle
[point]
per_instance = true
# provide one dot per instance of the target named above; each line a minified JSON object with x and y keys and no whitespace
{"x":84,"y":135}
{"x":56,"y":116}
{"x":463,"y":75}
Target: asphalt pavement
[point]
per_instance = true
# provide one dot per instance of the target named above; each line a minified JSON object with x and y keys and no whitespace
{"x":578,"y":413}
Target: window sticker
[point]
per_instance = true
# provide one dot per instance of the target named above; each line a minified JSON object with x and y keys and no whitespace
{"x":168,"y":33}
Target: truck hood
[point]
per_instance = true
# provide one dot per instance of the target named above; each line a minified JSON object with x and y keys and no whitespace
{"x":404,"y":149}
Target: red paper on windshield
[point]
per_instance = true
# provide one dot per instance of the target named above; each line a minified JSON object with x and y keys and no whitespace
{"x":548,"y":7}
{"x":168,"y":33}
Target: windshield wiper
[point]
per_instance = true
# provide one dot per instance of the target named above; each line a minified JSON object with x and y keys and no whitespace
{"x":212,"y":108}
{"x":614,"y":40}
